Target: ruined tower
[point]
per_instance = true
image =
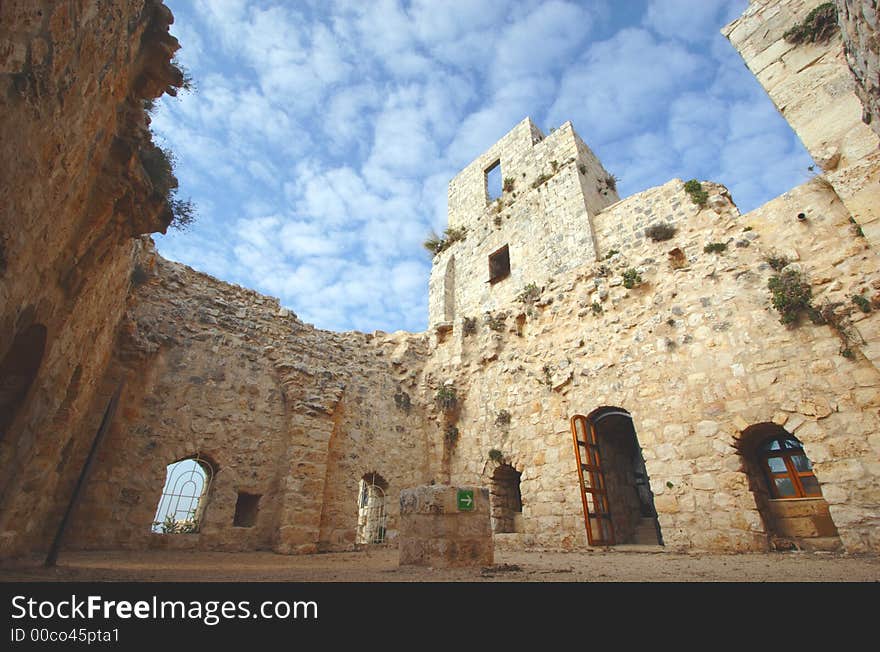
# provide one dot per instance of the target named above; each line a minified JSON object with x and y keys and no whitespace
{"x":523,"y":210}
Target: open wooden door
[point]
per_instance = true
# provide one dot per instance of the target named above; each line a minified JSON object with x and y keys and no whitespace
{"x":597,"y":514}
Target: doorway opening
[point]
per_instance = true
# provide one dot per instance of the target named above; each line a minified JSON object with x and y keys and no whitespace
{"x":372,"y":515}
{"x":617,"y":499}
{"x":505,"y":500}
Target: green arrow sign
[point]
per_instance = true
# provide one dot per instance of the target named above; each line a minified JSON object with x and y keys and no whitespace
{"x":465,"y":500}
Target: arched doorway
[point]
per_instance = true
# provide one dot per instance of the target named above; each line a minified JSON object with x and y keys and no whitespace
{"x":505,"y":499}
{"x":372,"y":515}
{"x":617,"y":499}
{"x":787,"y":491}
{"x":18,"y":371}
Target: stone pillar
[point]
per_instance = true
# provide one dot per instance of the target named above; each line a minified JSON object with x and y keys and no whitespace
{"x":444,"y":526}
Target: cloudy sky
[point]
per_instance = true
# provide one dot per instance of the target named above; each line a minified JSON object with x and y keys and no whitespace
{"x":322,"y":134}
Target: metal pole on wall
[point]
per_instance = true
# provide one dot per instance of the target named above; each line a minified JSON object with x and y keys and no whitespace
{"x":52,"y":557}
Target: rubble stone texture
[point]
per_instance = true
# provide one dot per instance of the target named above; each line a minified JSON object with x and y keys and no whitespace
{"x":859,"y":24}
{"x":694,"y":351}
{"x":435,"y":532}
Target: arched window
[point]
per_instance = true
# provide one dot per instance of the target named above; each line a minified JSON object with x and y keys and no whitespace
{"x":182,"y":504}
{"x":371,"y":509}
{"x":788,"y":469}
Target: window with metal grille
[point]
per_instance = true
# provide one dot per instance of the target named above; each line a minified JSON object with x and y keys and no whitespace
{"x":788,"y":469}
{"x":183,"y":499}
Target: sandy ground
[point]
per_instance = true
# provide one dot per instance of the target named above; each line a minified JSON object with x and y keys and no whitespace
{"x":380,"y":565}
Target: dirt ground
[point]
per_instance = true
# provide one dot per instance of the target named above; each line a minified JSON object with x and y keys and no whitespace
{"x":380,"y":565}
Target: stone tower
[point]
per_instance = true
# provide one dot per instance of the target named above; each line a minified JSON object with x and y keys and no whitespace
{"x":535,"y":223}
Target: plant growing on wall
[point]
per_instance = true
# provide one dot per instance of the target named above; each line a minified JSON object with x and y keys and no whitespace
{"x":502,"y":418}
{"x":715,"y":248}
{"x":158,"y":163}
{"x":508,"y":184}
{"x":596,"y":307}
{"x":818,"y":27}
{"x":777,"y":263}
{"x":496,"y":455}
{"x":695,"y":189}
{"x":436,"y":244}
{"x":450,"y":434}
{"x":529,"y":294}
{"x":660,"y":232}
{"x":791,"y":295}
{"x":631,"y":278}
{"x":863,"y":303}
{"x":446,"y":398}
{"x":469,"y":326}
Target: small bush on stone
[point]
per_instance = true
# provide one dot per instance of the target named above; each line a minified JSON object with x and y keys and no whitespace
{"x":596,"y":307}
{"x":508,"y":184}
{"x":631,"y":278}
{"x":791,"y":295}
{"x":818,"y":27}
{"x":777,"y":263}
{"x":530,"y":294}
{"x":660,"y":232}
{"x":715,"y":248}
{"x":612,"y":252}
{"x":159,"y":163}
{"x":695,"y":189}
{"x":543,"y":178}
{"x":611,"y":182}
{"x":436,"y":244}
{"x":446,"y":398}
{"x":502,"y":418}
{"x":863,"y":304}
{"x":469,"y":326}
{"x":496,"y":455}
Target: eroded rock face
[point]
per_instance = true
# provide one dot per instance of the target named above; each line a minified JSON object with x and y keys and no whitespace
{"x":73,"y":79}
{"x":858,"y":21}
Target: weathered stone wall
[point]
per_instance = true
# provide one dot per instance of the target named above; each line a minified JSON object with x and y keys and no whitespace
{"x":436,"y":532}
{"x":73,"y":76}
{"x":858,"y":21}
{"x":696,"y":354}
{"x":281,"y":409}
{"x":544,"y":219}
{"x":812,"y":86}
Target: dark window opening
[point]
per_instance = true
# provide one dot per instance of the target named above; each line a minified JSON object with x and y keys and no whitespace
{"x":493,"y":182}
{"x":499,"y":265}
{"x":246,"y":508}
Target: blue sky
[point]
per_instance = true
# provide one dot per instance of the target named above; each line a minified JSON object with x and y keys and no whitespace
{"x":322,"y":134}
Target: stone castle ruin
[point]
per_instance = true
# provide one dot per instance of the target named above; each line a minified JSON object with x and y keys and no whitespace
{"x":647,"y":328}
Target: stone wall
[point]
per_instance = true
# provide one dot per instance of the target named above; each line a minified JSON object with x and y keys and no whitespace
{"x":73,"y":77}
{"x":696,"y":354}
{"x":858,"y":20}
{"x":813,"y":87}
{"x":281,"y":409}
{"x":555,"y":185}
